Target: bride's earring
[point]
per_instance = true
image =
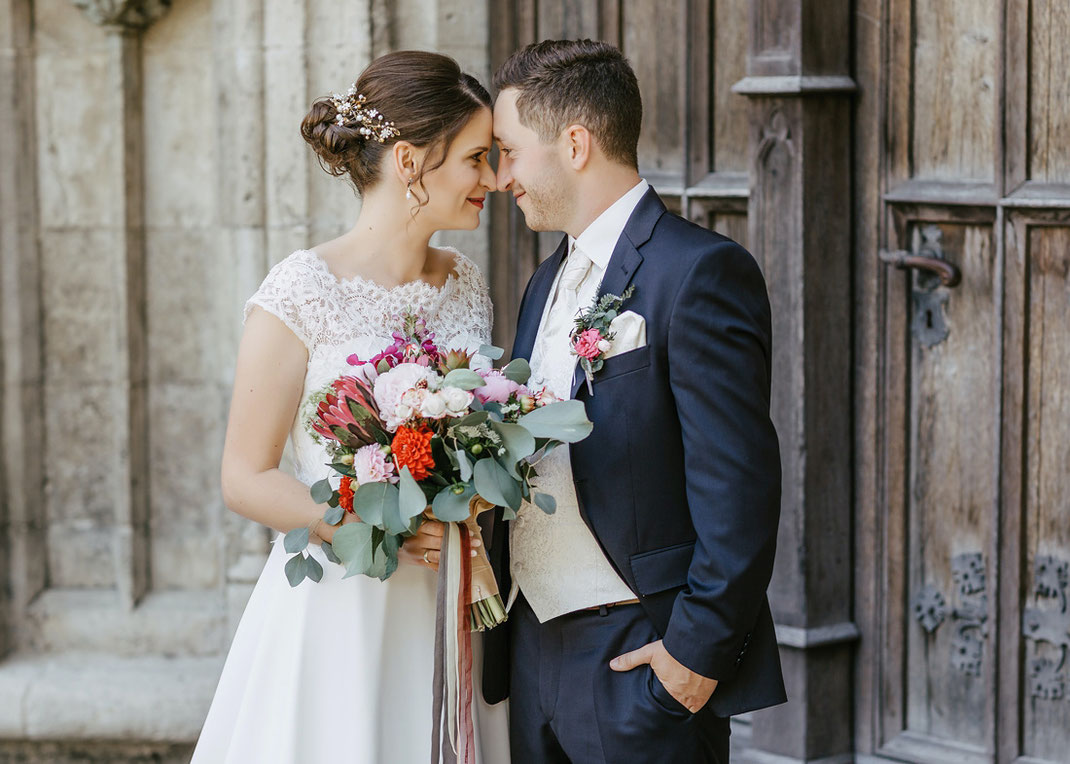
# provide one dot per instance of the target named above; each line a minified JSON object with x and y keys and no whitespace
{"x":408,"y":190}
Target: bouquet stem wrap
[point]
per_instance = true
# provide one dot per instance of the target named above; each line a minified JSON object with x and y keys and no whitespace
{"x":468,"y":600}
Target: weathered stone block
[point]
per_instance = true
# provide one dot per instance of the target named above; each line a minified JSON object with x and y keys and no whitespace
{"x":79,"y":139}
{"x":180,"y":157}
{"x":60,"y":26}
{"x":80,"y":436}
{"x":284,"y":24}
{"x":163,"y":623}
{"x":182,"y":328}
{"x":289,"y":159}
{"x":81,"y":555}
{"x":80,"y":301}
{"x":187,"y":429}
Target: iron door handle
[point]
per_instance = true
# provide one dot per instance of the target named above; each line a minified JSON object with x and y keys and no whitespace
{"x":948,"y":273}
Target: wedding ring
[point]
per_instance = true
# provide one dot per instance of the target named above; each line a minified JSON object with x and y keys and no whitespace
{"x":425,"y":556}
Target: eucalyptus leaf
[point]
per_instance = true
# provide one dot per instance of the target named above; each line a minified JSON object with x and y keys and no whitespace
{"x":295,"y":569}
{"x":469,"y":420}
{"x":494,"y":410}
{"x":321,"y":491}
{"x":519,"y":444}
{"x":565,"y":421}
{"x":296,"y":540}
{"x":508,"y":513}
{"x":493,"y":483}
{"x":391,"y":545}
{"x":411,"y":501}
{"x":373,"y":501}
{"x":517,"y":370}
{"x":546,"y":503}
{"x":464,"y":464}
{"x":466,"y":379}
{"x":328,"y":550}
{"x":491,"y":351}
{"x":353,"y":545}
{"x":313,"y":569}
{"x":450,"y":507}
{"x":378,"y":567}
{"x":333,"y":515}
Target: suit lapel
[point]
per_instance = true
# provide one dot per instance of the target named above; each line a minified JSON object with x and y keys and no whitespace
{"x":626,"y":258}
{"x":538,"y":292}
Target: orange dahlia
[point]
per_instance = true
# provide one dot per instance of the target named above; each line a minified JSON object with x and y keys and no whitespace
{"x":412,"y":449}
{"x":345,"y":494}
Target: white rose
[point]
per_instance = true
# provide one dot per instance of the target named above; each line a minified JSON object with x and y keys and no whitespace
{"x":604,"y":346}
{"x":433,"y":406}
{"x":457,"y":400}
{"x":414,"y":398}
{"x":402,"y":412}
{"x":391,"y":385}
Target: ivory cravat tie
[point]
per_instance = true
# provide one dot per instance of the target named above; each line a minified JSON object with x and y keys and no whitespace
{"x":556,"y":354}
{"x":556,"y":561}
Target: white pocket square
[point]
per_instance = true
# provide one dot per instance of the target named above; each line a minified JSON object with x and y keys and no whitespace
{"x":629,"y":333}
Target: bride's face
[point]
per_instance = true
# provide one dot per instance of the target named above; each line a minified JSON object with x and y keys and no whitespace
{"x":457,"y":190}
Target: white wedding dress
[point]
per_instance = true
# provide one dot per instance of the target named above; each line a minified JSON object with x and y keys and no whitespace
{"x":340,"y":670}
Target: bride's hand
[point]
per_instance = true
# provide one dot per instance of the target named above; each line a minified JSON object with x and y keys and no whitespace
{"x":326,"y":532}
{"x":425,"y":548}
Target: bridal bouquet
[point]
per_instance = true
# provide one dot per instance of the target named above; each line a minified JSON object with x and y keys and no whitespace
{"x":416,"y":427}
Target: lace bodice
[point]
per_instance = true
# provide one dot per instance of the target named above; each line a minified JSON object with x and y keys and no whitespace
{"x":335,"y":318}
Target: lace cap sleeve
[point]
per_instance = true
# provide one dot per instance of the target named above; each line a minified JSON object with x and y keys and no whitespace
{"x":285,"y":293}
{"x":480,"y":307}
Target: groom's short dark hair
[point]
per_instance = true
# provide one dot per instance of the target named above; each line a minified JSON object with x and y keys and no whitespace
{"x":586,"y":82}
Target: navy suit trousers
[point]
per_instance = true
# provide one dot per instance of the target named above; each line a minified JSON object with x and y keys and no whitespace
{"x":567,"y":706}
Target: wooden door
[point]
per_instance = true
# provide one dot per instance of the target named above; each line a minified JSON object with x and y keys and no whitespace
{"x":964,"y":498}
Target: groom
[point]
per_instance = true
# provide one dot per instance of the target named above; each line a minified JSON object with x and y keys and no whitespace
{"x":642,"y":622}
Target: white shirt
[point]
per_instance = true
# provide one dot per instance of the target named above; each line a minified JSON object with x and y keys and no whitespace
{"x":555,"y":559}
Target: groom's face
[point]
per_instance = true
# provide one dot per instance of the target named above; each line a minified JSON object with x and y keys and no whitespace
{"x":530,"y":169}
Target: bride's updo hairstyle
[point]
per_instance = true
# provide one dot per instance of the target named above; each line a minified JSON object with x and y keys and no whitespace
{"x":424,"y":96}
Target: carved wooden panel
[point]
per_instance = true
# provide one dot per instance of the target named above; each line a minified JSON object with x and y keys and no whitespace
{"x":727,"y":59}
{"x":951,"y":484}
{"x":1036,"y":469}
{"x":956,"y":58}
{"x":651,"y":41}
{"x":1049,"y":91}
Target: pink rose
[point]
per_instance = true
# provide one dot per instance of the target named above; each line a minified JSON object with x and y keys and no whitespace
{"x":498,"y":387}
{"x":586,"y":344}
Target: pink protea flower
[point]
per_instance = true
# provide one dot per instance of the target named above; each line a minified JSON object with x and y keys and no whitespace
{"x":586,"y":344}
{"x":345,"y":415}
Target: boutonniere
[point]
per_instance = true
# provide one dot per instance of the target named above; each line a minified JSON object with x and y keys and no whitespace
{"x":591,"y":338}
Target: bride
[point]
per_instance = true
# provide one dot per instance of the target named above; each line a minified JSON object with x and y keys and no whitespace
{"x":341,"y":670}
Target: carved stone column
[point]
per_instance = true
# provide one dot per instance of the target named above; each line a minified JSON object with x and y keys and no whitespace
{"x":22,"y":561}
{"x":800,"y":212}
{"x":124,"y":20}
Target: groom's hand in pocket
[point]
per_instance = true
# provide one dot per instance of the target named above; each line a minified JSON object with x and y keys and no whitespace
{"x":690,"y":689}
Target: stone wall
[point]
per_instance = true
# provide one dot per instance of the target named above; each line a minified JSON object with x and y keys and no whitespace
{"x":151,"y":171}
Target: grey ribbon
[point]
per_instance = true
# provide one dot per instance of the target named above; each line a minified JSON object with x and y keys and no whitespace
{"x":438,"y":682}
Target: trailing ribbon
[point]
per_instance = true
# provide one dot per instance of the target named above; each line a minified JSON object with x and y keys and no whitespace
{"x":452,"y":680}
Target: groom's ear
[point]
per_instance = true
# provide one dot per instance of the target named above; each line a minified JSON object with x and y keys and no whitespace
{"x":577,"y":142}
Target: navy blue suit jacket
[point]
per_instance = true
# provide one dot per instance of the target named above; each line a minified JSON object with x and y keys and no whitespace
{"x":680,"y":480}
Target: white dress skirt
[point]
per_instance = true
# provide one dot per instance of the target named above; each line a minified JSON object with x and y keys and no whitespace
{"x":340,"y":670}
